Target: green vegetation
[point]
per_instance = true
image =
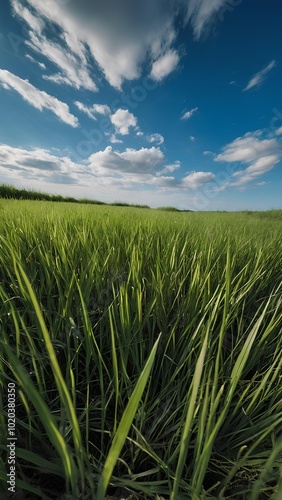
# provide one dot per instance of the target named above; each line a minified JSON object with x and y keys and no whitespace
{"x":146,"y":351}
{"x":11,"y":192}
{"x":169,"y":209}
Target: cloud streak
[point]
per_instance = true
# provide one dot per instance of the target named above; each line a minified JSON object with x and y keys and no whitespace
{"x":40,"y":64}
{"x":73,"y":65}
{"x":203,"y":13}
{"x":189,"y":114}
{"x":165,"y":65}
{"x":259,"y":77}
{"x":256,"y":169}
{"x":95,"y":109}
{"x":37,"y":98}
{"x":261,"y":156}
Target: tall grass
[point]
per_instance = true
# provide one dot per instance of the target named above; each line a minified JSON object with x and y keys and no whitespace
{"x":146,"y":351}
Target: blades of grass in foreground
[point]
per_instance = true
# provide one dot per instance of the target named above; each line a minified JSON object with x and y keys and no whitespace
{"x":115,"y":369}
{"x":26,"y":288}
{"x":46,"y":418}
{"x":124,"y":425}
{"x":62,"y":388}
{"x":45,"y":465}
{"x":189,"y":418}
{"x":272,"y":462}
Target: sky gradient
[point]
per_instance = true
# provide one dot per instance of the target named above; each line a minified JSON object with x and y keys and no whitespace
{"x":171,"y":102}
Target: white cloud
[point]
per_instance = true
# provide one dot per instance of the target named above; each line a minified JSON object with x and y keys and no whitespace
{"x":122,"y":119}
{"x":279,"y":131}
{"x":158,"y":138}
{"x":170,"y":168}
{"x":40,"y":64}
{"x":248,"y":148}
{"x":35,"y":23}
{"x":38,"y":164}
{"x":37,"y":98}
{"x":195,"y":180}
{"x":139,"y":133}
{"x":256,"y":169}
{"x":260,"y":166}
{"x":73,"y":65}
{"x":140,"y":161}
{"x":203,"y":13}
{"x":114,"y":140}
{"x":108,"y":175}
{"x":259,"y":77}
{"x":192,"y":138}
{"x":118,"y":45}
{"x":261,"y":155}
{"x":99,"y":109}
{"x":164,"y":181}
{"x":165,"y":65}
{"x":189,"y":114}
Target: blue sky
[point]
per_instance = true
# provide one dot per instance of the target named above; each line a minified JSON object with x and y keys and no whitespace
{"x":174,"y":102}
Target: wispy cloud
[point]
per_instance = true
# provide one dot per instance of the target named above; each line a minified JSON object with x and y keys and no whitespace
{"x":95,"y":109}
{"x":73,"y":66}
{"x":119,"y":47}
{"x":37,"y":98}
{"x":255,"y":170}
{"x":259,"y":77}
{"x":261,"y":155}
{"x":114,"y":140}
{"x":195,"y":180}
{"x":158,"y":138}
{"x":40,"y":64}
{"x":34,"y":22}
{"x":189,"y":114}
{"x":170,"y":168}
{"x":165,"y":65}
{"x":249,"y":148}
{"x":38,"y":164}
{"x":203,"y":13}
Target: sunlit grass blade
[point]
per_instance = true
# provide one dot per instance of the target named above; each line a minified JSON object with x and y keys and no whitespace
{"x":189,"y":418}
{"x":46,"y":418}
{"x":125,"y":424}
{"x":68,"y":406}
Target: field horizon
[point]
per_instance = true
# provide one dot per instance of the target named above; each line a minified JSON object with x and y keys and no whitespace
{"x":8,"y":191}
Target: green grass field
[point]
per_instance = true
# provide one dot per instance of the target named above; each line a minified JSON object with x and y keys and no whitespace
{"x":145,"y":347}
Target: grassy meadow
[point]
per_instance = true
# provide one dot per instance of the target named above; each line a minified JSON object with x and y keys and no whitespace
{"x":145,"y":346}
